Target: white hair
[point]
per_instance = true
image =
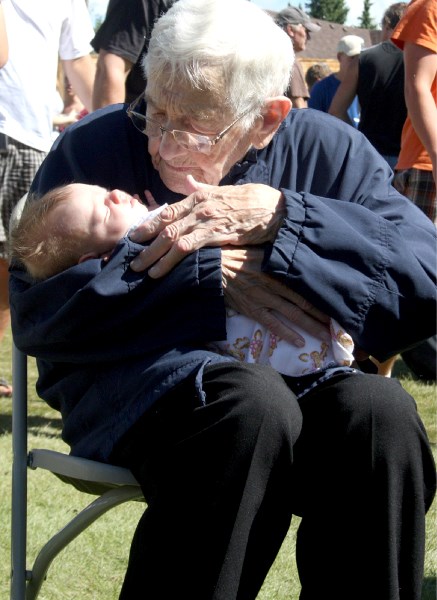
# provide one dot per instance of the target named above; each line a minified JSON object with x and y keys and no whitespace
{"x":229,"y":46}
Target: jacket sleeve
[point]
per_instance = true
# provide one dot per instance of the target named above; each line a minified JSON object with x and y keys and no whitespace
{"x":94,"y":312}
{"x":353,"y":246}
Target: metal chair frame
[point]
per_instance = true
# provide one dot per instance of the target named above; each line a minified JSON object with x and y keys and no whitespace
{"x":112,"y":486}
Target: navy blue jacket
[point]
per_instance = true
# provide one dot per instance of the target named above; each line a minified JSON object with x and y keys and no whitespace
{"x":110,"y":342}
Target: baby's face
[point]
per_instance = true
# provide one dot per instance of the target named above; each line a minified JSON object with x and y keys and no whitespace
{"x":100,"y":216}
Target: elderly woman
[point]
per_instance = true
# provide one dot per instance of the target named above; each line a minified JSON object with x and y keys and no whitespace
{"x":225,"y":452}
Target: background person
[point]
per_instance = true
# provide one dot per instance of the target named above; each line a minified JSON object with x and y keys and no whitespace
{"x":141,"y":393}
{"x":120,"y":42}
{"x":4,"y":47}
{"x":52,"y":29}
{"x":377,"y":78}
{"x":415,"y":174}
{"x":316,"y":73}
{"x":5,"y":388}
{"x":416,"y":169}
{"x":348,"y":49}
{"x":298,"y":26}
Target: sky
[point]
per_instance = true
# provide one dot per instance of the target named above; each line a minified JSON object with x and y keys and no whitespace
{"x":98,"y":8}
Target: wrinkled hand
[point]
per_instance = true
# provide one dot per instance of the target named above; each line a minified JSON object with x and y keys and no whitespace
{"x":266,"y":300}
{"x":209,"y":216}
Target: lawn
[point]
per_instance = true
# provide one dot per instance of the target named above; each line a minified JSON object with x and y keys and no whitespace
{"x":92,"y":566}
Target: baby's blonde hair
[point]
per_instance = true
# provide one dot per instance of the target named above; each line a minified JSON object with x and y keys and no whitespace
{"x":42,"y":247}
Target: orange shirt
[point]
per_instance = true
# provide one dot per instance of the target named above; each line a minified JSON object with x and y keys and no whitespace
{"x":418,"y":25}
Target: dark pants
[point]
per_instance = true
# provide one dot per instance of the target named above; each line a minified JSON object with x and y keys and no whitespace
{"x":222,"y":481}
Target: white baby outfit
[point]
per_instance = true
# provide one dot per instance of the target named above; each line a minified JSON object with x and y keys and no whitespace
{"x":251,"y":342}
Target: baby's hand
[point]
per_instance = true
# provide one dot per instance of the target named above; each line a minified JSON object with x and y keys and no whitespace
{"x":150,"y":201}
{"x":153,"y":207}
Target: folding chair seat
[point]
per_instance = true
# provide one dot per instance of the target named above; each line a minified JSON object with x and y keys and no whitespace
{"x":112,"y":486}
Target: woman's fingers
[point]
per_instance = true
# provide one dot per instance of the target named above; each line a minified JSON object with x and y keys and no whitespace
{"x":171,"y":214}
{"x":267,"y":300}
{"x":210,"y":216}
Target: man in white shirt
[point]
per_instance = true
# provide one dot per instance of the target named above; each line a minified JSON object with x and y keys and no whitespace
{"x":39,"y":33}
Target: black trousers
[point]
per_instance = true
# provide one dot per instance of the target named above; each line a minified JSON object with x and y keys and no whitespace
{"x":222,"y":481}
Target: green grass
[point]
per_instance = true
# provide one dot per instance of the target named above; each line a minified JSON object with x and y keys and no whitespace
{"x":92,"y":566}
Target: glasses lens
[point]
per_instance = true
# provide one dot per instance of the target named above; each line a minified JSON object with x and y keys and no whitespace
{"x":152,"y":129}
{"x":192,"y":141}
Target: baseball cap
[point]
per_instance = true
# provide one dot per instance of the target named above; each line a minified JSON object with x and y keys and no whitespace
{"x":295,"y":16}
{"x":351,"y":45}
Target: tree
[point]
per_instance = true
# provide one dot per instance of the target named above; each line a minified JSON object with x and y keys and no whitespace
{"x":366,"y":21}
{"x":328,"y":10}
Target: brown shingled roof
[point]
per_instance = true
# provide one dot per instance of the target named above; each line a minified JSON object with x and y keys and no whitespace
{"x":323,"y":44}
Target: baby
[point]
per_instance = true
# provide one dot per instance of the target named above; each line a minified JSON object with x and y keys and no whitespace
{"x":80,"y":222}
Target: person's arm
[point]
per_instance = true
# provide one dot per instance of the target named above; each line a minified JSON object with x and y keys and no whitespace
{"x":298,"y":90}
{"x":420,"y":71}
{"x":298,"y":102}
{"x":4,"y":46}
{"x":80,"y":73}
{"x":345,"y":94}
{"x":109,"y":84}
{"x":365,"y":255}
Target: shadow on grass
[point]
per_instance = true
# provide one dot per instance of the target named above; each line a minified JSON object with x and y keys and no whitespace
{"x":41,"y":426}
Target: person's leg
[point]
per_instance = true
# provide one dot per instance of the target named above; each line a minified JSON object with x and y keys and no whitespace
{"x":217,"y":479}
{"x":419,"y":186}
{"x":18,"y":166}
{"x":4,"y":297}
{"x":5,"y":388}
{"x":366,"y":476}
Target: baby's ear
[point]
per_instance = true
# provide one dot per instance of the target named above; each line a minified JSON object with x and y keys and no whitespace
{"x":89,"y":255}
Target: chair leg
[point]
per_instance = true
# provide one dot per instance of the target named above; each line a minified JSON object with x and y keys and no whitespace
{"x":78,"y":524}
{"x":19,"y":475}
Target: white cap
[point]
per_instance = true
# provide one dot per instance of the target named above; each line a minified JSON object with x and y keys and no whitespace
{"x":351,"y":45}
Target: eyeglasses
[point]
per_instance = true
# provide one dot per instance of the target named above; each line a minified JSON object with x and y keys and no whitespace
{"x":194,"y":142}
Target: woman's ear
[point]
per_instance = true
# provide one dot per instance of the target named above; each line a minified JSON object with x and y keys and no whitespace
{"x":274,"y":112}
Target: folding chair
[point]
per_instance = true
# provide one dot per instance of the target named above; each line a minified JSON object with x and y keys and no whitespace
{"x":113,"y":486}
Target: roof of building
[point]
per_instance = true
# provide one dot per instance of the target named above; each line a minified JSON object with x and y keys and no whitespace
{"x":323,"y":44}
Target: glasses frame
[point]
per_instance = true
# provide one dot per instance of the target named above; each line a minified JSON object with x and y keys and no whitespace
{"x":203,"y":140}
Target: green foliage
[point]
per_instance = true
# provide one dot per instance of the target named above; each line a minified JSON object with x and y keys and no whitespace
{"x":328,"y":10}
{"x":366,"y":21}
